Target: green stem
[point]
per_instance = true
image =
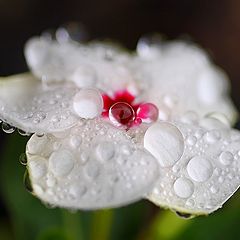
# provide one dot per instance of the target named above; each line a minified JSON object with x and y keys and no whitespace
{"x":101,"y":225}
{"x":72,"y":225}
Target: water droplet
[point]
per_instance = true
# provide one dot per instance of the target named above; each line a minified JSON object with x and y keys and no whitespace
{"x":191,"y":140}
{"x":184,"y":215}
{"x":165,"y":142}
{"x":27,"y":182}
{"x":183,"y":187}
{"x":213,"y":189}
{"x":23,"y":133}
{"x":221,"y":179}
{"x":56,"y":119}
{"x":199,"y":169}
{"x":105,"y":151}
{"x":37,"y":166}
{"x":92,"y":170}
{"x":7,"y":128}
{"x":190,"y":203}
{"x":75,"y":141}
{"x":40,"y":135}
{"x":61,"y":162}
{"x":125,"y":149}
{"x":226,"y":158}
{"x":23,"y":159}
{"x":212,"y":136}
{"x":51,"y":181}
{"x":77,"y":191}
{"x":88,"y":103}
{"x":147,"y":112}
{"x":121,"y":114}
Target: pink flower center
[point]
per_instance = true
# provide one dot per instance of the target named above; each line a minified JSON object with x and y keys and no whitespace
{"x":123,"y":111}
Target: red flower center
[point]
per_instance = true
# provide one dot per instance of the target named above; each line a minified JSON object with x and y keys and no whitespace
{"x":123,"y":111}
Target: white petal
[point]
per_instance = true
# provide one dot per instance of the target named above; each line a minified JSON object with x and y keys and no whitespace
{"x":27,"y":105}
{"x":94,"y":165}
{"x":207,"y":174}
{"x":94,"y":65}
{"x":180,"y":77}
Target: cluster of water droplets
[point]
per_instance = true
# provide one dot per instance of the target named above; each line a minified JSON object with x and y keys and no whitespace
{"x":90,"y":167}
{"x":206,"y":173}
{"x":7,"y":128}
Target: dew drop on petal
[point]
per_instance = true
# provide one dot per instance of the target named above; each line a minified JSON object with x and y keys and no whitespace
{"x":183,"y":187}
{"x":23,"y":133}
{"x":121,"y":113}
{"x":199,"y":169}
{"x":61,"y":162}
{"x":105,"y":151}
{"x":184,"y":215}
{"x":77,"y":191}
{"x":37,"y":167}
{"x":88,"y":103}
{"x":148,"y":112}
{"x":23,"y":159}
{"x":92,"y":170}
{"x":75,"y":141}
{"x":7,"y":128}
{"x":165,"y":142}
{"x":212,"y":136}
{"x":226,"y":158}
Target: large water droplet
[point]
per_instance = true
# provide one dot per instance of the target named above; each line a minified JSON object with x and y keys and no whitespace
{"x":7,"y":128}
{"x":148,"y":112}
{"x":184,"y":215}
{"x":121,"y":114}
{"x":199,"y":169}
{"x":61,"y":162}
{"x":165,"y":142}
{"x":88,"y":103}
{"x":23,"y":159}
{"x":183,"y":187}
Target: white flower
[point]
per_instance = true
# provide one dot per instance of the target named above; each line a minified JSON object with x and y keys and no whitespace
{"x":112,"y":127}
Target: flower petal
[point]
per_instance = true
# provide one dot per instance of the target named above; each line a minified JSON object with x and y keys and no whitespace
{"x":182,"y":78}
{"x":27,"y":105}
{"x":94,"y":165}
{"x":95,"y":65}
{"x":206,"y":175}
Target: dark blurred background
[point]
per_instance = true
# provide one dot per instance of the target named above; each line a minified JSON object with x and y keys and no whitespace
{"x":215,"y":25}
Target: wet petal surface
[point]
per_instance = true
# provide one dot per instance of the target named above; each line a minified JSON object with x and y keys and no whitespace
{"x":206,"y":175}
{"x":92,"y":166}
{"x":27,"y":105}
{"x":181,"y":77}
{"x":95,"y":65}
